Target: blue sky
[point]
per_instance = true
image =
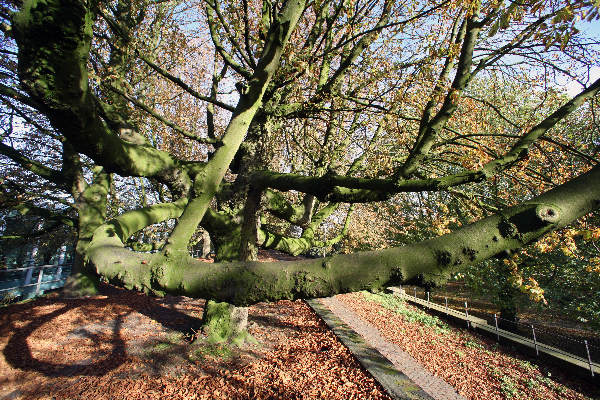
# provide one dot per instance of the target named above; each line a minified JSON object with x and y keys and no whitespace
{"x":589,"y":29}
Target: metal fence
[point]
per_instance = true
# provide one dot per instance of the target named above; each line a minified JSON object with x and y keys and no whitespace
{"x":574,"y":351}
{"x":27,"y":282}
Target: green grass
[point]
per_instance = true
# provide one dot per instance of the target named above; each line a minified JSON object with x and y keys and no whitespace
{"x":526,"y":365}
{"x":162,"y":346}
{"x":473,"y":345}
{"x":532,"y":383}
{"x":508,"y":387}
{"x":215,"y":350}
{"x":172,"y":340}
{"x":9,"y":298}
{"x":398,"y":305}
{"x":176,"y":338}
{"x":12,"y":299}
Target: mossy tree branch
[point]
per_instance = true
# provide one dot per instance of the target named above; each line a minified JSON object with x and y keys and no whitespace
{"x":279,"y":206}
{"x":54,"y":40}
{"x":430,"y":128}
{"x":37,"y":168}
{"x":207,"y":183}
{"x":244,"y":283}
{"x":46,"y":214}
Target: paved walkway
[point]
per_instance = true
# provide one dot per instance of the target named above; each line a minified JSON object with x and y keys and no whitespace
{"x":432,"y":385}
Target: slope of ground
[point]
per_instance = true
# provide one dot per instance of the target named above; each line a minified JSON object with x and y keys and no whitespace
{"x":471,"y":363}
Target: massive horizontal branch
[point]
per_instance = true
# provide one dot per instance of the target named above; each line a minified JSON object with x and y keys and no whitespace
{"x":245,"y":283}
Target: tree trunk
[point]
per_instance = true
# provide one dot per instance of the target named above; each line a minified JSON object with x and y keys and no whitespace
{"x":91,"y":205}
{"x":250,"y":226}
{"x":223,"y":322}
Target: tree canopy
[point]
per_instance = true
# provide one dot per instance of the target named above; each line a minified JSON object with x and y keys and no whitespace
{"x":297,"y":125}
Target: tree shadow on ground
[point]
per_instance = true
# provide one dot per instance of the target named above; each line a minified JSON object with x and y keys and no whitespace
{"x":138,"y":344}
{"x":18,"y":353}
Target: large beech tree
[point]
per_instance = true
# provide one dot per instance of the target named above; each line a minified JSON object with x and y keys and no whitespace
{"x":260,"y":122}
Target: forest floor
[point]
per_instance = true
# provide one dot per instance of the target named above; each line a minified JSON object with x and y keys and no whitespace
{"x":125,"y":345}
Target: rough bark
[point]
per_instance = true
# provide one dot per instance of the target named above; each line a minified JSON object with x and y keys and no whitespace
{"x":91,"y":206}
{"x":223,"y":322}
{"x":250,"y":226}
{"x":54,"y":39}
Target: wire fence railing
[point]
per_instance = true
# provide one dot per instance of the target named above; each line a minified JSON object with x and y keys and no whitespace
{"x":27,"y":282}
{"x":33,"y":280}
{"x":582,"y":352}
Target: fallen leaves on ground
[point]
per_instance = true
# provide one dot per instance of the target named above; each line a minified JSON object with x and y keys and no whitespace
{"x":125,"y":345}
{"x":471,"y":363}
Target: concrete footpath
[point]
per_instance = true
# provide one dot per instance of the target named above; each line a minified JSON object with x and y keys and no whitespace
{"x":400,"y":374}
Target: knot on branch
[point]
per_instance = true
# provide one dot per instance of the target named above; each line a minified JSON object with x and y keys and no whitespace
{"x":531,"y":218}
{"x":548,"y":213}
{"x":508,"y":229}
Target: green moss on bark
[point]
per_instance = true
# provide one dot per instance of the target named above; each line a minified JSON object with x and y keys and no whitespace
{"x":223,"y":322}
{"x":81,"y":285}
{"x":244,"y":283}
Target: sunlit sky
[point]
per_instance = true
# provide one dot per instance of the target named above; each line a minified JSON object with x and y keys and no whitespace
{"x":589,"y":29}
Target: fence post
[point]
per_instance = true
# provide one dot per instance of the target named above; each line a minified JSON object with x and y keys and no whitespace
{"x":61,"y":260}
{"x":446,"y":299}
{"x":427,"y":297}
{"x":39,"y":281}
{"x":415,"y":292}
{"x":537,"y":353}
{"x":587,"y":350}
{"x":31,"y":264}
{"x":28,"y":275}
{"x":467,"y":314}
{"x":497,"y":332}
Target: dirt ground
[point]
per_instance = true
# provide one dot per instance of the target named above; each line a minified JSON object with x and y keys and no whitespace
{"x":124,"y":345}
